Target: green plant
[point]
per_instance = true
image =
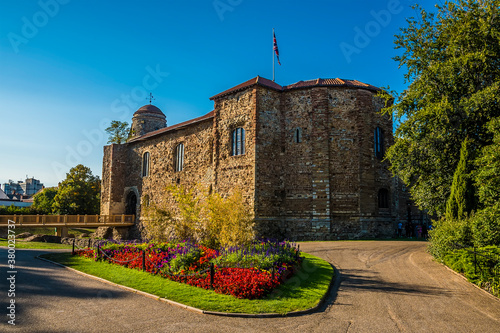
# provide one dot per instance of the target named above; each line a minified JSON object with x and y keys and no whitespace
{"x":44,"y":200}
{"x":480,"y":265}
{"x":446,"y":234}
{"x":486,"y":226}
{"x":193,"y":214}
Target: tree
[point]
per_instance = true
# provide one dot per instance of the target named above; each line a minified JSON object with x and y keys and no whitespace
{"x":453,"y":70}
{"x":44,"y":200}
{"x":118,"y":132}
{"x":486,"y":223}
{"x":79,"y":193}
{"x":462,"y":199}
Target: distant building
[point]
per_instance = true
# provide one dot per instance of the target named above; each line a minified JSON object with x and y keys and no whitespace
{"x":28,"y":188}
{"x":16,"y":200}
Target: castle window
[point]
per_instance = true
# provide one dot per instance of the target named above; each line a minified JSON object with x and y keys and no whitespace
{"x":145,"y":164}
{"x":179,"y":157}
{"x":297,"y":135}
{"x":383,"y":198}
{"x":379,"y":142}
{"x":238,"y":142}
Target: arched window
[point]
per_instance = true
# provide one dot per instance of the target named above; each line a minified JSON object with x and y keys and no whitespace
{"x":383,"y":198}
{"x":179,"y":157}
{"x":297,"y":135}
{"x":145,"y":164}
{"x":379,"y":142}
{"x":238,"y":142}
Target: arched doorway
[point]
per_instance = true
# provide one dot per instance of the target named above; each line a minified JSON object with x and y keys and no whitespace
{"x":131,"y":204}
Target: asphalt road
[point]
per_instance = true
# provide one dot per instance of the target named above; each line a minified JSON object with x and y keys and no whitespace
{"x":384,"y":287}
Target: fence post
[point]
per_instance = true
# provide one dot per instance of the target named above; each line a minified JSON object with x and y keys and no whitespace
{"x":212,"y":273}
{"x":143,"y":260}
{"x":73,"y":251}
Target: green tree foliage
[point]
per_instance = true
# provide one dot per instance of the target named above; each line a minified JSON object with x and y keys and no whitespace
{"x":453,"y":69}
{"x":118,"y":132}
{"x":44,"y":200}
{"x":13,"y":210}
{"x":447,"y":235}
{"x":486,"y":223}
{"x":487,"y":176}
{"x":79,"y":193}
{"x":462,"y":199}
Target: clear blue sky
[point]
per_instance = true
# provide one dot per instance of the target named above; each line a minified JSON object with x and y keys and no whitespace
{"x":67,"y":68}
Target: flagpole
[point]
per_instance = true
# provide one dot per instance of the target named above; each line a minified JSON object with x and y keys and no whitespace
{"x":273,"y":54}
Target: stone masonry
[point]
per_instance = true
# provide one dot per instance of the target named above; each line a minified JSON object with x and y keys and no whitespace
{"x":309,"y":169}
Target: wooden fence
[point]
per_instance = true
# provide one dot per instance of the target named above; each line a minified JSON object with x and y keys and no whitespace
{"x":68,"y":220}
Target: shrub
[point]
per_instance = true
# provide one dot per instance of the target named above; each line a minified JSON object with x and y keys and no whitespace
{"x":13,"y":210}
{"x":208,"y":219}
{"x":486,"y":226}
{"x":447,"y":234}
{"x":481,"y":269}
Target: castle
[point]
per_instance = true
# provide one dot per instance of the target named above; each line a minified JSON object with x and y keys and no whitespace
{"x":307,"y":156}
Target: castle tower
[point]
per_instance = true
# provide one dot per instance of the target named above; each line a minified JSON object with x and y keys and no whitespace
{"x":147,"y":119}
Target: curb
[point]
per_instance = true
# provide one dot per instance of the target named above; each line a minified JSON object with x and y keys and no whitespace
{"x":471,"y":283}
{"x":334,"y":281}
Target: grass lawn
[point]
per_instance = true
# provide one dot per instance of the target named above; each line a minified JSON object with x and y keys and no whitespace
{"x":302,"y":291}
{"x":35,"y":245}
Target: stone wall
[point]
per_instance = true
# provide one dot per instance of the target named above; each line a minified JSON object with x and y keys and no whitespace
{"x":237,"y":110}
{"x":309,"y":170}
{"x":113,"y":178}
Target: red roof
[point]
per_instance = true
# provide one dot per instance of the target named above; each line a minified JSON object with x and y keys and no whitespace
{"x":330,"y":83}
{"x":149,"y":108}
{"x":301,"y":84}
{"x":174,"y":127}
{"x":260,"y":81}
{"x":255,"y":81}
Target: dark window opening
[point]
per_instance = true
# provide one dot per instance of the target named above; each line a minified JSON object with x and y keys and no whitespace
{"x":383,"y":198}
{"x":297,"y":136}
{"x":179,"y":157}
{"x":238,"y":142}
{"x":379,"y":143}
{"x":145,"y":164}
{"x":131,"y":204}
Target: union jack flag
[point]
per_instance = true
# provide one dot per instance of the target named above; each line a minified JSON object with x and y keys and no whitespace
{"x":275,"y":48}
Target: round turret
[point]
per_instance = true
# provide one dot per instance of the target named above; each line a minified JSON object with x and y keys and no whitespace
{"x":147,"y":119}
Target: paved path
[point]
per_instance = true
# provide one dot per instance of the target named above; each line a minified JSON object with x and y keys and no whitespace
{"x":384,"y":287}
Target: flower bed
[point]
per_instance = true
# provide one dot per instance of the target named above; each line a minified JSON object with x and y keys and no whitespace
{"x":245,"y":272}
